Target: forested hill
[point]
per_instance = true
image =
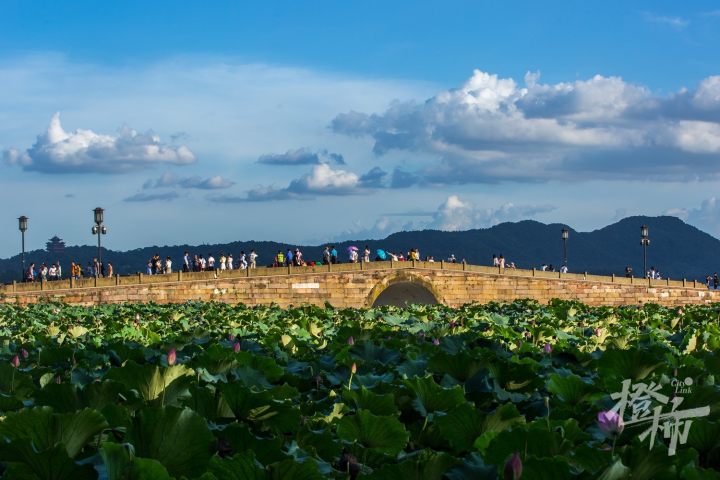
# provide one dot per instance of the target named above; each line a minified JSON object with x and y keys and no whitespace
{"x":677,"y":249}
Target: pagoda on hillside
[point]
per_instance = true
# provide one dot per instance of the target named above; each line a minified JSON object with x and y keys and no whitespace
{"x":55,"y":245}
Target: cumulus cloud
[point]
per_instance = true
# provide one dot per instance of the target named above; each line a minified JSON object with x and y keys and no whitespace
{"x":454,"y":214}
{"x":152,"y":197}
{"x":321,"y":180}
{"x":705,"y":217}
{"x":169,"y":180}
{"x":84,"y":151}
{"x":493,"y":129}
{"x":302,"y":156}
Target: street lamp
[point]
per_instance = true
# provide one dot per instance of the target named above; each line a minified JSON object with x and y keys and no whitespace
{"x":644,"y":241}
{"x":22,"y":224}
{"x":99,"y":229}
{"x":565,"y":233}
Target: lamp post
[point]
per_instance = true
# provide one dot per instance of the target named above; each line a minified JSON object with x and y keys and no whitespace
{"x":565,"y":233}
{"x":99,"y":229}
{"x":22,"y":224}
{"x":644,"y":241}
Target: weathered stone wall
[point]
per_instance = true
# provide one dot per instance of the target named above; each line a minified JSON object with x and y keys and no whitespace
{"x":358,"y":285}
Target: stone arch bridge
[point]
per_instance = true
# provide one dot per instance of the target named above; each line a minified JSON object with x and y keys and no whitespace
{"x":363,"y":285}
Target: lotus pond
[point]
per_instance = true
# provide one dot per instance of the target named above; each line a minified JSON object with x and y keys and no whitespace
{"x":213,"y":391}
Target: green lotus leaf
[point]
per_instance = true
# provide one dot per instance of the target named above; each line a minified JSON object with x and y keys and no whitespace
{"x":177,"y":437}
{"x":473,"y":467}
{"x":260,"y":408}
{"x":15,"y":383}
{"x":46,"y":429}
{"x":120,"y":464}
{"x":152,"y":382}
{"x":461,"y":426}
{"x":364,"y":399}
{"x":290,"y":469}
{"x":616,"y":471}
{"x":25,"y":462}
{"x":423,"y":465}
{"x":240,"y":467}
{"x":240,"y":439}
{"x":431,"y":397}
{"x":570,"y":389}
{"x":385,"y":434}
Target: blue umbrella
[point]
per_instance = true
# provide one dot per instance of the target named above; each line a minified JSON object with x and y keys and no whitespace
{"x":381,"y":254}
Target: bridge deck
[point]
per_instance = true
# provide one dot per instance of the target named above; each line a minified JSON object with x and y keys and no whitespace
{"x":173,"y":278}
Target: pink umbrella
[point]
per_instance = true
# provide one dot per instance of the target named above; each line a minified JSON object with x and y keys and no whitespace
{"x":352,"y":248}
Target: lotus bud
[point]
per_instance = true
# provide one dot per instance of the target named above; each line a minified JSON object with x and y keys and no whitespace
{"x":15,"y":361}
{"x":171,"y":356}
{"x":547,"y":348}
{"x":351,"y":341}
{"x":236,"y":347}
{"x":353,"y":368}
{"x":513,"y":468}
{"x":137,"y":317}
{"x":610,"y":422}
{"x":24,"y":353}
{"x":546,"y":400}
{"x":680,"y":311}
{"x":436,"y":341}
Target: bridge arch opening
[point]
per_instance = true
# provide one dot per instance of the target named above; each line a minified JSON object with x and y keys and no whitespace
{"x":403,"y":293}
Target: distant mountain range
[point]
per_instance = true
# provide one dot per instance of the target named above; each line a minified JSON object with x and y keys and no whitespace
{"x":677,"y":249}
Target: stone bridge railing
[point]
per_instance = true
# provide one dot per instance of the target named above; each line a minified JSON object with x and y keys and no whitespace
{"x":142,"y":279}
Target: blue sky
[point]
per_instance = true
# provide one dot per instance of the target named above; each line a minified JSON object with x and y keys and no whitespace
{"x":310,"y":121}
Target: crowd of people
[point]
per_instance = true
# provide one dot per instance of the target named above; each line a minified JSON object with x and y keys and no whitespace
{"x":291,"y":257}
{"x":53,"y":272}
{"x":712,"y":281}
{"x":200,"y":263}
{"x":653,"y":273}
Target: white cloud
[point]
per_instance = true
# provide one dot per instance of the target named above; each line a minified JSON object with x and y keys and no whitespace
{"x":169,"y":180}
{"x":706,"y":216}
{"x":456,"y":214}
{"x":321,"y":180}
{"x":84,"y":151}
{"x":491,"y":129}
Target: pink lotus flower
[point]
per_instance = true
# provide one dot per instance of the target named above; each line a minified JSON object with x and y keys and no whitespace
{"x":610,"y":422}
{"x":171,"y":356}
{"x":231,"y":337}
{"x":236,"y":347}
{"x":547,"y":348}
{"x":24,"y":353}
{"x":351,"y":341}
{"x":15,"y":361}
{"x":513,"y":468}
{"x":353,"y":368}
